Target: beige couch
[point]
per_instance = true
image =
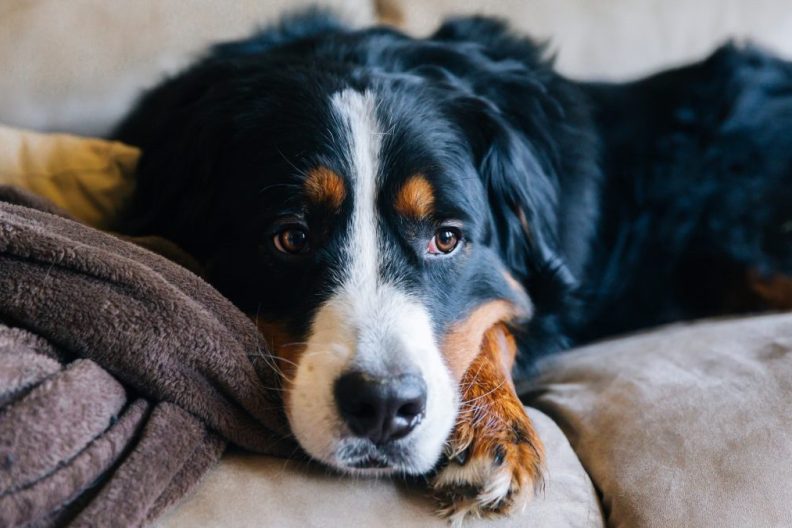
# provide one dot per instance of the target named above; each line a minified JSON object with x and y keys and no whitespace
{"x":684,"y":426}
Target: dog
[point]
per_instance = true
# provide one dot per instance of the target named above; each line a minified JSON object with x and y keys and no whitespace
{"x":413,"y":222}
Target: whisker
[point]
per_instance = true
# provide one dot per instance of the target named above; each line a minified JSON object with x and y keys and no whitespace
{"x":293,"y":166}
{"x":287,"y":361}
{"x":501,"y":384}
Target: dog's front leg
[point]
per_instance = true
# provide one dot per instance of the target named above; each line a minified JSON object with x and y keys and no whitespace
{"x":495,"y":458}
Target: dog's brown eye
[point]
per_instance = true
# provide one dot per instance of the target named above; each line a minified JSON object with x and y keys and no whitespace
{"x":291,"y":240}
{"x":445,"y":240}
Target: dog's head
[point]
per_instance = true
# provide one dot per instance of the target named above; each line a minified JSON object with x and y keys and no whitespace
{"x":375,"y":213}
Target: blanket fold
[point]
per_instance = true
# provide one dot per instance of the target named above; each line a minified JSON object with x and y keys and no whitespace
{"x":122,"y":375}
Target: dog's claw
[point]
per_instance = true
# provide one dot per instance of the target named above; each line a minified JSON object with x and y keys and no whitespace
{"x":461,"y":457}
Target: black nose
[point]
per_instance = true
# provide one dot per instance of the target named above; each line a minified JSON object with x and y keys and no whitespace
{"x":381,"y":409}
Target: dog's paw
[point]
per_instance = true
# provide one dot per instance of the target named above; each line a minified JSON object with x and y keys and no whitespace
{"x":492,"y":468}
{"x":494,"y":458}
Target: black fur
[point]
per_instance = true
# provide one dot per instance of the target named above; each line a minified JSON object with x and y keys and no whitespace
{"x":699,"y":190}
{"x":616,"y":206}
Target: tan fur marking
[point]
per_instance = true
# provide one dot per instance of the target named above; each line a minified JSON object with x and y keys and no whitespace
{"x":325,"y":187}
{"x":286,"y":348}
{"x":463,"y":342}
{"x":494,"y":449}
{"x":775,"y":291}
{"x":416,"y":198}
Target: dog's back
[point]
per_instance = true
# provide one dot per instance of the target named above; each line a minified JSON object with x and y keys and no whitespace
{"x":697,"y":207}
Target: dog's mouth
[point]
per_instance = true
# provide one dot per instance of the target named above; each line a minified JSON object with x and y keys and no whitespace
{"x":366,"y":457}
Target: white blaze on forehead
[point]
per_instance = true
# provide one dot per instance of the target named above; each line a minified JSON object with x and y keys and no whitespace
{"x":357,"y":113}
{"x":368,"y":324}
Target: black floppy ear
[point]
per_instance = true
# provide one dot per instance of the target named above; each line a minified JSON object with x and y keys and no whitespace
{"x":183,"y":129}
{"x":516,"y":113}
{"x":186,"y":129}
{"x":522,"y":191}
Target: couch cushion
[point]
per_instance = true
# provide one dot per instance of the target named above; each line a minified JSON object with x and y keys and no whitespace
{"x":686,"y":426}
{"x":77,"y":66}
{"x":244,"y":489}
{"x":87,"y":177}
{"x":617,"y":38}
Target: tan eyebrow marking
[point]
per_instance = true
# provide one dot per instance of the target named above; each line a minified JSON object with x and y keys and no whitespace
{"x":416,"y":198}
{"x":324,"y":186}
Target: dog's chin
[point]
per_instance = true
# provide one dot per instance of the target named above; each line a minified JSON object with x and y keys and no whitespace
{"x":362,"y":458}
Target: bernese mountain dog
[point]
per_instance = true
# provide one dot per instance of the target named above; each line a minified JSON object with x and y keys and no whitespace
{"x":412,"y":222}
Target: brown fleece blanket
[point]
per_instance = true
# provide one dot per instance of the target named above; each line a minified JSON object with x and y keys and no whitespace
{"x":122,"y":375}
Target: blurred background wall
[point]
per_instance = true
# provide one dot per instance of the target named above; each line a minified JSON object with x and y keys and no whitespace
{"x":77,"y":65}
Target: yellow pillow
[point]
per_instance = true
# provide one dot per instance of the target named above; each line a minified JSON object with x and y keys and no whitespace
{"x":90,"y":178}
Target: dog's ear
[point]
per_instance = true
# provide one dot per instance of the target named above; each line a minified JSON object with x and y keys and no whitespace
{"x":184,"y":130}
{"x":522,"y":190}
{"x":524,"y":124}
